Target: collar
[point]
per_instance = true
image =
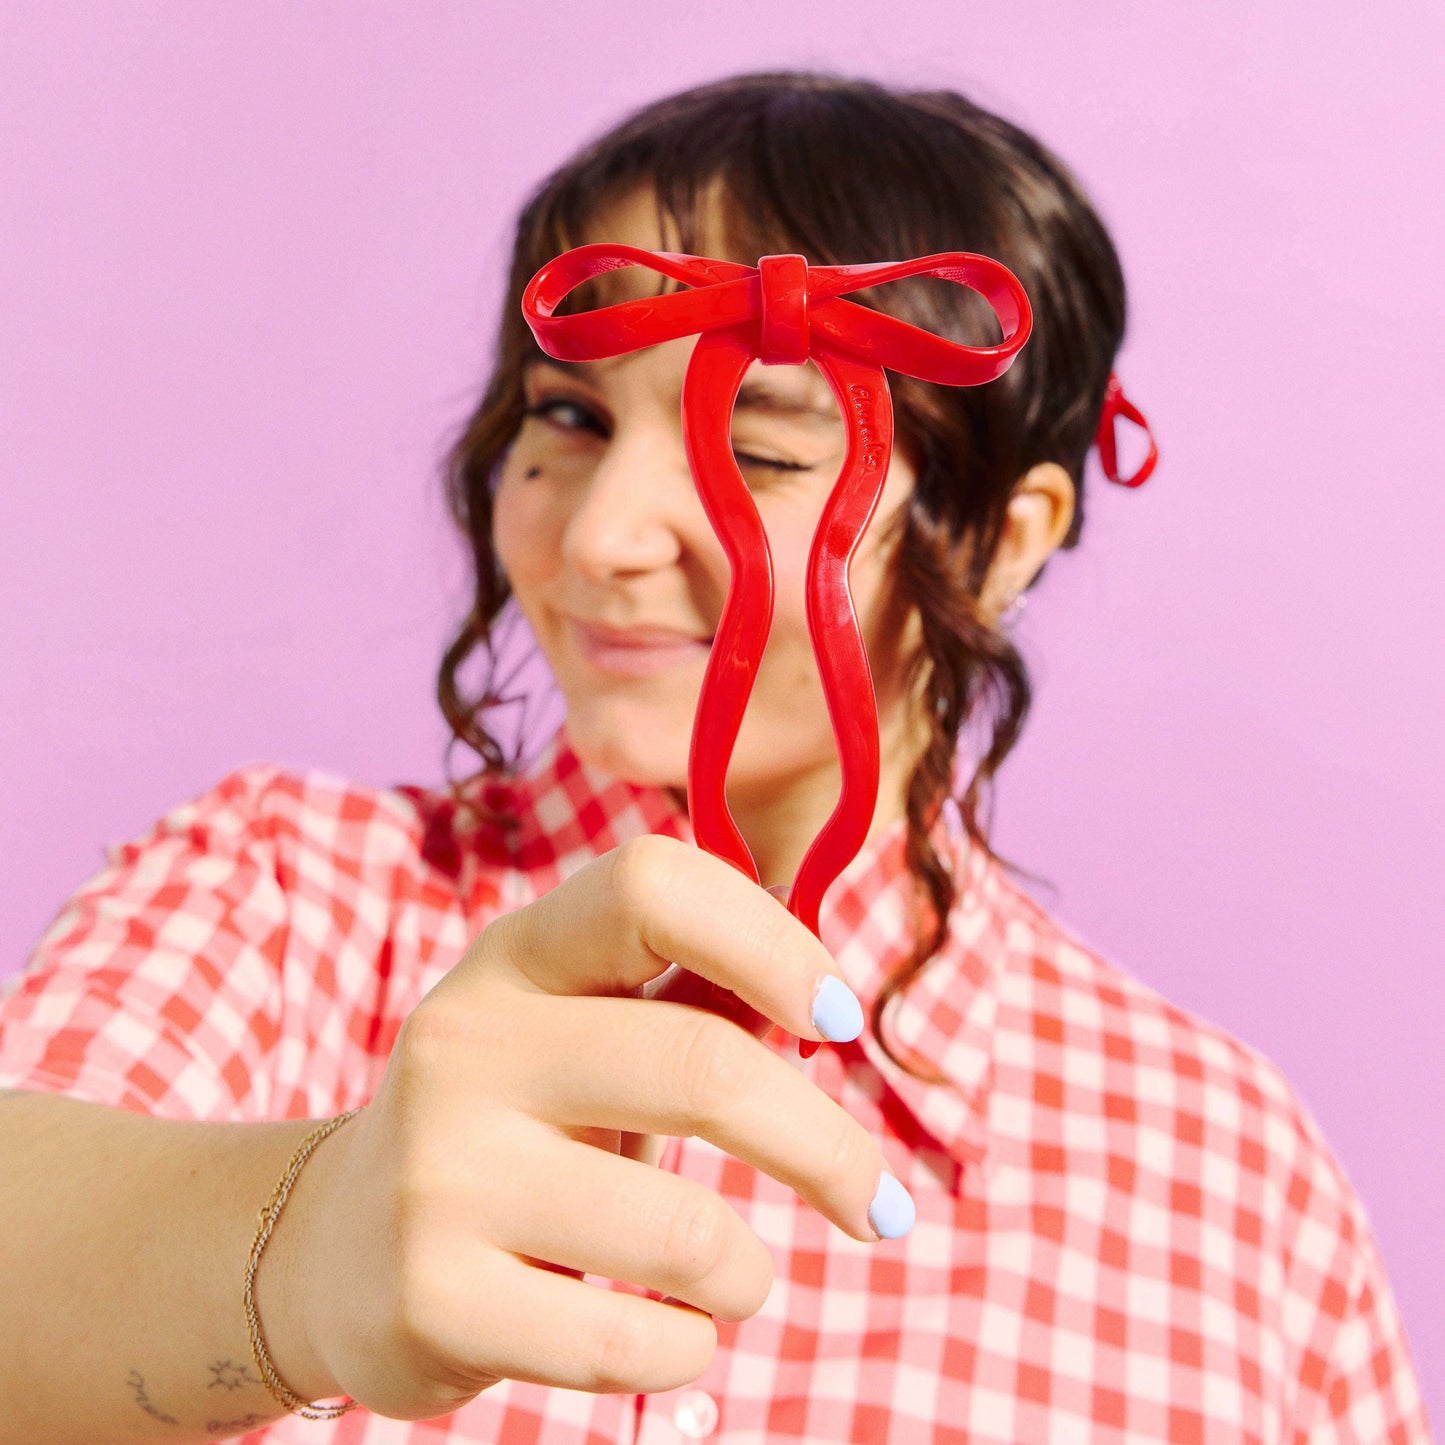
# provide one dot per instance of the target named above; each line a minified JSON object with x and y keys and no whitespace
{"x":563,"y":813}
{"x":942,"y":1024}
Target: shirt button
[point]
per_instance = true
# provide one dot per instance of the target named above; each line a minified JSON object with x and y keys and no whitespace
{"x":695,"y":1414}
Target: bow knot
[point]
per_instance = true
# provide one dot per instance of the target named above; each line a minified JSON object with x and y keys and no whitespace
{"x":783,"y":310}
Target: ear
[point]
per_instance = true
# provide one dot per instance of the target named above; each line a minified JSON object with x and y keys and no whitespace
{"x":1040,"y":511}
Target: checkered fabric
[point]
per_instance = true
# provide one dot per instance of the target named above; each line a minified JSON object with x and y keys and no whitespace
{"x":1128,"y":1228}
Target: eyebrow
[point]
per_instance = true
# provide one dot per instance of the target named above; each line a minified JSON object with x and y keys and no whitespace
{"x":754,"y":395}
{"x":759,"y":396}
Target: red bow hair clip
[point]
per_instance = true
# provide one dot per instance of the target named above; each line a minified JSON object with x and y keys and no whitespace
{"x":780,"y":312}
{"x":1116,"y":404}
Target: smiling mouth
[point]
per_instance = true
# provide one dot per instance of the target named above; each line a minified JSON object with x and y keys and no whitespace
{"x":639,"y":651}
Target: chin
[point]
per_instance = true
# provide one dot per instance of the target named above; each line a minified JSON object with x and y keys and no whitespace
{"x":637,"y":747}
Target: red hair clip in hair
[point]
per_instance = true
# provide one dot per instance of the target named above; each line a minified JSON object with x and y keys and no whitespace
{"x":1116,"y":404}
{"x":781,"y":312}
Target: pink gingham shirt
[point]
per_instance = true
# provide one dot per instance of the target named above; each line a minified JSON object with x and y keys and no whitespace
{"x":1128,"y":1227}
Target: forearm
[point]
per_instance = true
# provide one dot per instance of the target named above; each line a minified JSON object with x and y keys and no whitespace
{"x":123,"y":1248}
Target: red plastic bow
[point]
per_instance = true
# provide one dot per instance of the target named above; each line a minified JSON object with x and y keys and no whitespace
{"x":1116,"y":404}
{"x":782,"y":312}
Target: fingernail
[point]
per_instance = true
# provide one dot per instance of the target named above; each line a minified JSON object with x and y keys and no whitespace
{"x":837,"y":1014}
{"x":891,"y":1213}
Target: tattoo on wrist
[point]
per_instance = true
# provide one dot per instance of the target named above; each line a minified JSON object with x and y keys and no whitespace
{"x":231,"y":1376}
{"x":137,"y":1383}
{"x":232,"y":1427}
{"x":226,"y":1375}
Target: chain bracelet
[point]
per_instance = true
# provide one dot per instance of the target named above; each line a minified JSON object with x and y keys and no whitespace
{"x":268,"y":1217}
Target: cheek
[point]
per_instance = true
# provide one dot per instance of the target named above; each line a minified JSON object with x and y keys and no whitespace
{"x":883,"y":612}
{"x":522,"y":528}
{"x":790,"y":538}
{"x":889,"y":622}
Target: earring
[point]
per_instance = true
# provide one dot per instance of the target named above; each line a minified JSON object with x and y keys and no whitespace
{"x":1013,"y":609}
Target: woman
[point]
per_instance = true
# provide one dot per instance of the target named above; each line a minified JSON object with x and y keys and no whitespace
{"x":1015,"y":1196}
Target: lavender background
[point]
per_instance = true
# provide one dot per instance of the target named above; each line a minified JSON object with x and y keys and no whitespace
{"x":249,"y":264}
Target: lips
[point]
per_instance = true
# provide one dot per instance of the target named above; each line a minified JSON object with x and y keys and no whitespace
{"x":636,"y":651}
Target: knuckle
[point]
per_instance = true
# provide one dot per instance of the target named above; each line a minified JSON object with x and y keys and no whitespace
{"x":622,"y":1351}
{"x":711,"y":1070}
{"x":641,"y":872}
{"x":693,"y":1240}
{"x":425,"y":1295}
{"x":516,"y":935}
{"x":439,"y":1035}
{"x":428,"y":1036}
{"x":444,"y":1319}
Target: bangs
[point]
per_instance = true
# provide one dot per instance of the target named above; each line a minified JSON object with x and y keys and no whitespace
{"x":825,"y":168}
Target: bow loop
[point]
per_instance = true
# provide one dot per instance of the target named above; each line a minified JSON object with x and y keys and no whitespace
{"x":884,"y":340}
{"x":719,"y":294}
{"x":1116,"y":404}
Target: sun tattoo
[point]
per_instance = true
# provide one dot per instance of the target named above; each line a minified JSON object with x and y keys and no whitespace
{"x":232,"y":1376}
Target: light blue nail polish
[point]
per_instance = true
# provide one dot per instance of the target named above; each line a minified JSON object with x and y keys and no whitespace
{"x":892,"y":1212}
{"x":837,"y":1014}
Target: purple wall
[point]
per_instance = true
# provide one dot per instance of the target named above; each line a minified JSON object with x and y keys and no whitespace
{"x":250,"y":256}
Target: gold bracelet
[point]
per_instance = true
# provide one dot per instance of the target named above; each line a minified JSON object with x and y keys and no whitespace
{"x":269,"y":1215}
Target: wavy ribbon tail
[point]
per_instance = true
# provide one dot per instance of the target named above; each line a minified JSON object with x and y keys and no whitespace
{"x":716,"y":369}
{"x":862,"y":393}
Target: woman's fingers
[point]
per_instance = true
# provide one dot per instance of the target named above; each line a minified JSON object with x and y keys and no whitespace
{"x":686,"y":1072}
{"x":625,"y":1221}
{"x":491,"y":1316}
{"x":624,"y":918}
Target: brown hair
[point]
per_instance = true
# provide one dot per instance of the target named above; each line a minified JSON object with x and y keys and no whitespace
{"x":844,"y":170}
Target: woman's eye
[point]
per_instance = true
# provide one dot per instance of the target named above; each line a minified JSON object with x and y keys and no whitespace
{"x":565,"y":413}
{"x":746,"y":459}
{"x":573,"y":416}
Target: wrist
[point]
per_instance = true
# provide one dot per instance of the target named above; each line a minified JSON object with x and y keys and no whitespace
{"x":286,"y":1287}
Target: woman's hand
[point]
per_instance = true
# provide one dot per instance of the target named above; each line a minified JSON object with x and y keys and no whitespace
{"x":504,"y":1153}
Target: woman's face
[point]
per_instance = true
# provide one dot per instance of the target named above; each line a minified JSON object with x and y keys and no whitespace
{"x":614,"y":564}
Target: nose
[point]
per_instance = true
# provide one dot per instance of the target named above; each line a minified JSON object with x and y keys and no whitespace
{"x":631,"y":511}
